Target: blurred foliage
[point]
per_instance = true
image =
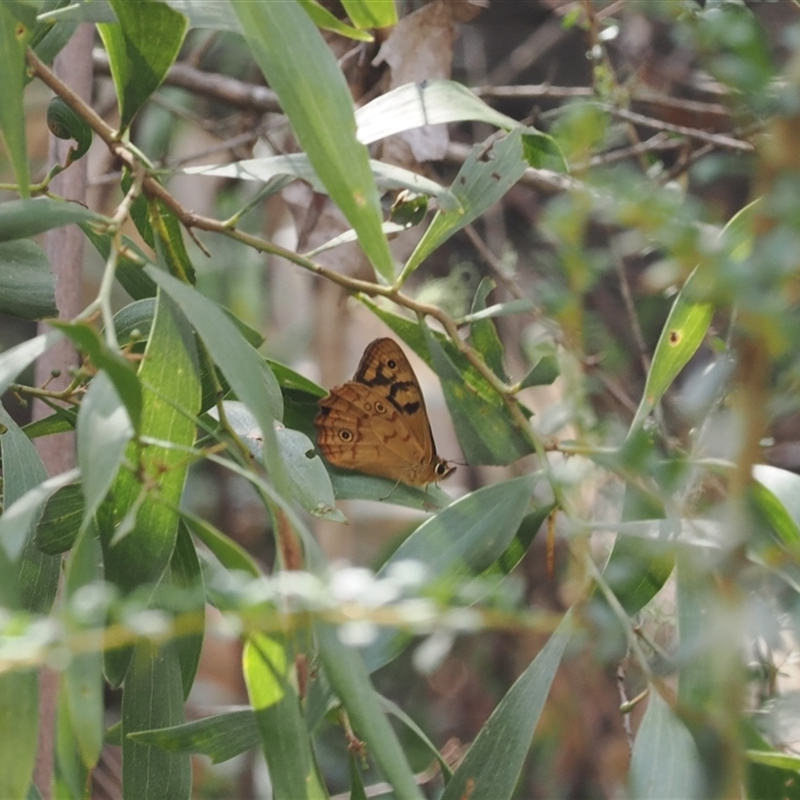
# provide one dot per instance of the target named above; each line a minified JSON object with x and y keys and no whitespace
{"x":597,"y":258}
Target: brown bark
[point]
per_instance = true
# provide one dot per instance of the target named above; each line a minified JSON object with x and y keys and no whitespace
{"x":64,"y":247}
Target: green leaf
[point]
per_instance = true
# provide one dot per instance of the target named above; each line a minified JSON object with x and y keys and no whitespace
{"x":483,"y":334}
{"x":19,"y":728}
{"x":779,"y":499}
{"x":22,"y":218}
{"x":17,"y":21}
{"x":118,"y":369}
{"x":61,"y":520}
{"x":230,"y":554}
{"x":414,"y":105}
{"x":24,"y":474}
{"x":494,"y":762}
{"x":21,"y":515}
{"x":129,"y":273}
{"x":153,"y":698}
{"x":665,"y":761}
{"x":465,"y":539}
{"x":500,"y":310}
{"x":308,"y":478}
{"x":357,"y":791}
{"x":13,"y":361}
{"x":543,"y":373}
{"x":484,"y":427}
{"x":27,"y":286}
{"x":50,"y":38}
{"x":683,"y":333}
{"x":394,"y":710}
{"x":142,"y":46}
{"x":349,"y":678}
{"x":313,"y":93}
{"x":324,"y":19}
{"x":69,"y":772}
{"x":772,"y":758}
{"x":65,"y":123}
{"x":169,"y":242}
{"x":220,"y":737}
{"x":487,"y":174}
{"x":243,"y":368}
{"x":348,"y":485}
{"x":371,"y":13}
{"x":103,"y":433}
{"x":83,"y":679}
{"x":62,"y":420}
{"x":637,"y":570}
{"x":169,"y":377}
{"x":268,"y":668}
{"x":387,"y":176}
{"x":185,"y":575}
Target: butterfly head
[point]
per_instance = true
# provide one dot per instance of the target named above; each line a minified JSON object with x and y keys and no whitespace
{"x":443,"y":469}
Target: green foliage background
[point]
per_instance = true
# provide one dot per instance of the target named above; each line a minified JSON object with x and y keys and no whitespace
{"x":686,"y":518}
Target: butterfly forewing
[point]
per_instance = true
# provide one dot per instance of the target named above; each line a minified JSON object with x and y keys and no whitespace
{"x":385,"y":369}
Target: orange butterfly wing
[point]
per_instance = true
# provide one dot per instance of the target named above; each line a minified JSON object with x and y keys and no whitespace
{"x":377,"y":423}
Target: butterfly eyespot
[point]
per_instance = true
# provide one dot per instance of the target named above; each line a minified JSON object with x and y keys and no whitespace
{"x":346,"y":436}
{"x":380,"y":408}
{"x":391,"y":363}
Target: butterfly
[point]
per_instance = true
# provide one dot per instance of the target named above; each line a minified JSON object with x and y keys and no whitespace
{"x":377,"y":423}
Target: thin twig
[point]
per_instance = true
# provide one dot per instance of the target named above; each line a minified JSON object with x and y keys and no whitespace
{"x":718,"y":139}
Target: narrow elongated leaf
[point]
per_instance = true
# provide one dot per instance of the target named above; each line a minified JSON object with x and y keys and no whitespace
{"x":61,"y":520}
{"x":22,"y":218}
{"x":18,"y":518}
{"x":19,"y":727}
{"x":168,"y":241}
{"x":414,"y":105}
{"x":231,"y":555}
{"x":220,"y":737}
{"x":17,"y":21}
{"x":27,"y":286}
{"x":141,"y":47}
{"x":464,"y":539}
{"x":13,"y":361}
{"x":483,"y":334}
{"x":186,"y":576}
{"x":83,"y":678}
{"x":246,"y":372}
{"x":169,"y":375}
{"x":387,"y":176}
{"x":484,"y":427}
{"x":23,"y":474}
{"x":104,"y":430}
{"x":783,"y":507}
{"x":371,"y":13}
{"x":312,"y":90}
{"x":69,"y":772}
{"x":683,"y":333}
{"x":493,"y":764}
{"x":129,"y":272}
{"x":487,"y":174}
{"x":349,"y":678}
{"x":268,"y":668}
{"x":119,"y":371}
{"x":665,"y":762}
{"x":324,"y":19}
{"x":309,"y":480}
{"x":153,"y":698}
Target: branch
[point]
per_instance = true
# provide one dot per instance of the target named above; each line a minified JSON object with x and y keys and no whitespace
{"x":233,"y":92}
